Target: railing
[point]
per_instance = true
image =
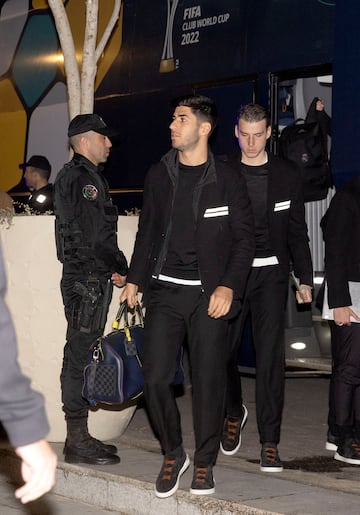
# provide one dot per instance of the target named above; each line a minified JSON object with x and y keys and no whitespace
{"x":112,"y":191}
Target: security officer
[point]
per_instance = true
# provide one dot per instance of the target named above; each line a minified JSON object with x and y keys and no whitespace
{"x":37,"y":175}
{"x":86,"y":240}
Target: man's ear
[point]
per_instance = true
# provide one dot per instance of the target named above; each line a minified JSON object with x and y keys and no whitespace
{"x":205,"y":128}
{"x":236,"y":131}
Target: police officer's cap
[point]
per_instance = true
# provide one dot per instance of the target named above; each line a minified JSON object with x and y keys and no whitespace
{"x":37,"y":162}
{"x":89,"y":122}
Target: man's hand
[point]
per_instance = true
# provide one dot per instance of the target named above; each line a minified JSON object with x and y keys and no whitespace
{"x":304,"y":296}
{"x":220,"y":302}
{"x":130,"y":295}
{"x":342,"y":315}
{"x":118,"y":280}
{"x":38,"y":470}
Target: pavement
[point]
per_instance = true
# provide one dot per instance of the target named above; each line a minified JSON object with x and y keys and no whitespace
{"x":312,"y":481}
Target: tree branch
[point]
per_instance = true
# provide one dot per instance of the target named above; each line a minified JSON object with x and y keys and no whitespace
{"x":109,"y":28}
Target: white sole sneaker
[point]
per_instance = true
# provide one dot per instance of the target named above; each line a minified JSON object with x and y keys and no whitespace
{"x":163,"y":495}
{"x":352,"y":461}
{"x":235,"y":450}
{"x":271,"y":469}
{"x":208,"y":491}
{"x":331,"y":446}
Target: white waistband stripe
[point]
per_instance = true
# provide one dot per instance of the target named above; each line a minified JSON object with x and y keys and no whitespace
{"x":272,"y":260}
{"x":177,"y":280}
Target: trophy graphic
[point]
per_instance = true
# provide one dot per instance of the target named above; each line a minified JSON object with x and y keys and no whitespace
{"x":167,"y":63}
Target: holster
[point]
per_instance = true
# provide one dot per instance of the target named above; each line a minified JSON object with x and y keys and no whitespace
{"x":91,"y":312}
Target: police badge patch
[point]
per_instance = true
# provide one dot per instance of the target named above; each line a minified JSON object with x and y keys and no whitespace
{"x":90,"y":192}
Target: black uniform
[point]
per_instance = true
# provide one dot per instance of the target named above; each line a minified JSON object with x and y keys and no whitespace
{"x":41,"y":200}
{"x":86,"y":240}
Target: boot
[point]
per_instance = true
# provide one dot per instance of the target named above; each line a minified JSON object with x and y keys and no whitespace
{"x":111,"y":449}
{"x":81,"y":447}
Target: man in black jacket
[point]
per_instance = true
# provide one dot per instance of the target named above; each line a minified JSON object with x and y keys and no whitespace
{"x":341,"y":227}
{"x":275,"y":191}
{"x":37,"y":175}
{"x":86,"y":240}
{"x":192,"y":256}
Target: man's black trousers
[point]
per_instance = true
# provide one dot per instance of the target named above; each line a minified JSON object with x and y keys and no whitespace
{"x":76,"y":348}
{"x":265,"y":302}
{"x":346,"y":376}
{"x":173,"y":312}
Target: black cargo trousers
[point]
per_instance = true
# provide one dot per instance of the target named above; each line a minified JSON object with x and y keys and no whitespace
{"x":86,"y":297}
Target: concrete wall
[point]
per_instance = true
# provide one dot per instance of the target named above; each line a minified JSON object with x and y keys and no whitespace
{"x":34,"y":300}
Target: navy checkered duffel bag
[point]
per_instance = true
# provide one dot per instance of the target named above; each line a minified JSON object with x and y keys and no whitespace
{"x":113,"y":372}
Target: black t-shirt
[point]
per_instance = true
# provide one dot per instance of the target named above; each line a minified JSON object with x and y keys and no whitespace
{"x":257,"y":185}
{"x":181,"y":260}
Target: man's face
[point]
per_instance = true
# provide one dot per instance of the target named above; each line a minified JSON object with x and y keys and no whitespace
{"x":252,"y":138}
{"x":29,"y":177}
{"x":185,"y":129}
{"x":98,"y":147}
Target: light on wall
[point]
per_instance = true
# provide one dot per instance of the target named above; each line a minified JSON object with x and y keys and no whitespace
{"x":298,"y":345}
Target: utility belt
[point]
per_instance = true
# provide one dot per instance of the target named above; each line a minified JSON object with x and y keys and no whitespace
{"x":90,"y":309}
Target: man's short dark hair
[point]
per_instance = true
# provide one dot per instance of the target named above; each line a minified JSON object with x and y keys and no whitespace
{"x":44,"y":174}
{"x":253,"y":113}
{"x":202,"y":107}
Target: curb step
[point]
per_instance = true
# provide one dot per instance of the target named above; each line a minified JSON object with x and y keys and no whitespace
{"x":127,"y":496}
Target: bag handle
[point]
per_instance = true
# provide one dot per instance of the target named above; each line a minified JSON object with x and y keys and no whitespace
{"x":123,"y":312}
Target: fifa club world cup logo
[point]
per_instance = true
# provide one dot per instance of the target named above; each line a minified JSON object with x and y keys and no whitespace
{"x":167,"y":63}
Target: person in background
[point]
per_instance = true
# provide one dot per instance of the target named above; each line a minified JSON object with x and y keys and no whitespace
{"x":341,"y":226}
{"x":320,"y":115}
{"x":37,"y":175}
{"x":22,"y":412}
{"x":275,"y":189}
{"x":86,"y":241}
{"x":192,"y":255}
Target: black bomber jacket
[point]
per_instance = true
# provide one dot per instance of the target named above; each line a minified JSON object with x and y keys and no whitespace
{"x":223,"y":219}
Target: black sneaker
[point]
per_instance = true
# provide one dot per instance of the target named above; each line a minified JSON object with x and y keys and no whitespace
{"x":332,"y":442}
{"x":168,"y":479}
{"x":270,"y":460}
{"x":231,"y":436}
{"x":203,"y":482}
{"x":348,"y":451}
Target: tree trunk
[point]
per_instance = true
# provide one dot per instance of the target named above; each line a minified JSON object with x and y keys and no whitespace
{"x":81,"y":87}
{"x":68,"y":49}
